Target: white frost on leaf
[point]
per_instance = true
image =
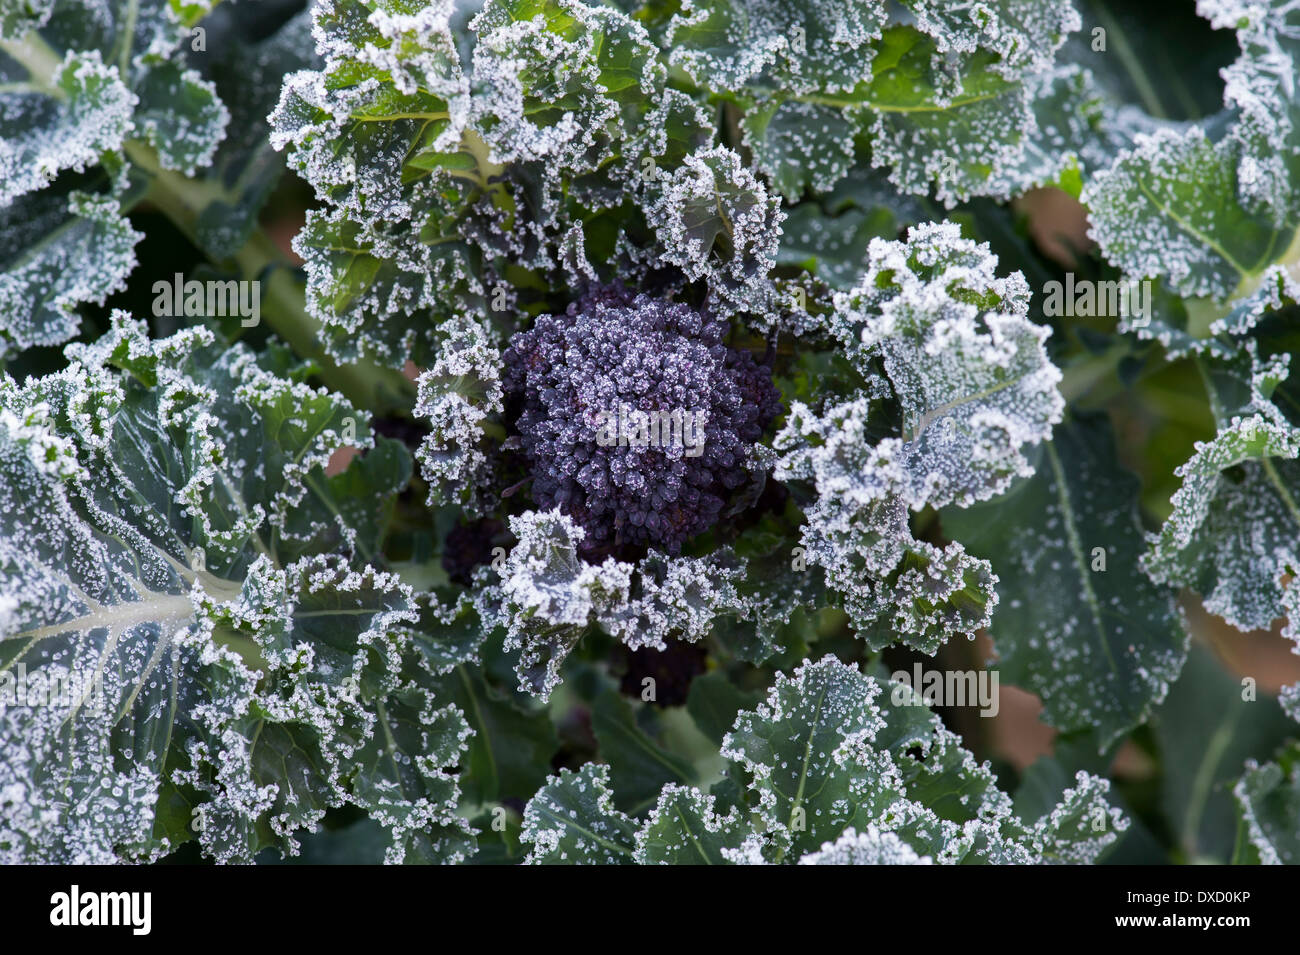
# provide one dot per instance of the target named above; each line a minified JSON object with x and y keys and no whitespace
{"x":975,"y":387}
{"x":1268,"y":807}
{"x":711,"y":200}
{"x":458,"y":394}
{"x":836,"y":771}
{"x":1232,"y":533}
{"x":967,"y":365}
{"x":94,"y":116}
{"x":172,"y":554}
{"x":870,"y":847}
{"x":548,"y":595}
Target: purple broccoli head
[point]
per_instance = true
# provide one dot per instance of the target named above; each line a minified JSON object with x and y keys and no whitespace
{"x":636,"y":417}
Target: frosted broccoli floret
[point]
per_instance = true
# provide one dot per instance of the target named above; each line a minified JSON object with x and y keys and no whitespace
{"x":584,"y":378}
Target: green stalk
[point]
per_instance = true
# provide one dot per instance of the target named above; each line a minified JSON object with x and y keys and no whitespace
{"x":181,"y":200}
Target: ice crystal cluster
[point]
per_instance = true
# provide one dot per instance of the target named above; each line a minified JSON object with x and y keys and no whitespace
{"x":637,"y":387}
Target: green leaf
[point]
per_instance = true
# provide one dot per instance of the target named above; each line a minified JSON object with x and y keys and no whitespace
{"x":180,"y":115}
{"x":58,"y":251}
{"x":684,"y":828}
{"x":1207,"y":729}
{"x":1268,"y":799}
{"x":572,"y":820}
{"x":1078,"y":622}
{"x":247,"y":72}
{"x":86,"y":88}
{"x":799,"y":145}
{"x":1213,"y":210}
{"x":639,"y":767}
{"x":968,"y":368}
{"x":968,"y":374}
{"x":73,"y":111}
{"x":833,"y":771}
{"x":1232,"y":533}
{"x":513,"y":740}
{"x":713,"y":703}
{"x":939,"y":98}
{"x":230,"y":668}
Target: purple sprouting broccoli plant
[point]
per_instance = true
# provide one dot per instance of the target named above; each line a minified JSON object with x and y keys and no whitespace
{"x":419,"y":566}
{"x":637,"y":419}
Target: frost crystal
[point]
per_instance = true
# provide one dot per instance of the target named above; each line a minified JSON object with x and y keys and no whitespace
{"x":968,"y":367}
{"x":548,"y":595}
{"x":1268,"y":803}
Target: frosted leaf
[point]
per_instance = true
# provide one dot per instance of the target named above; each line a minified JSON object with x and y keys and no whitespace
{"x":1277,"y":290}
{"x":818,"y":45}
{"x":678,"y":597}
{"x":180,"y":115}
{"x":95,"y":85}
{"x":1232,"y":533}
{"x":952,"y":146}
{"x":837,"y":767}
{"x":970,"y":104}
{"x":551,"y":84}
{"x":458,"y":394}
{"x":548,"y":596}
{"x":893,"y":586}
{"x":1289,"y":698}
{"x":380,"y":294}
{"x":944,"y":97}
{"x":455,"y":160}
{"x":18,"y":17}
{"x":685,"y":828}
{"x":717,"y":223}
{"x":88,"y":112}
{"x":972,"y":380}
{"x":871,"y":847}
{"x":799,"y":145}
{"x":807,"y":753}
{"x":1170,"y":207}
{"x":967,"y":365}
{"x":406,"y":780}
{"x":1082,"y":825}
{"x":572,"y":820}
{"x":1023,"y":33}
{"x":64,"y":251}
{"x":1074,"y":127}
{"x":1078,"y":622}
{"x":1268,"y":807}
{"x":174,"y":557}
{"x":1212,"y":211}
